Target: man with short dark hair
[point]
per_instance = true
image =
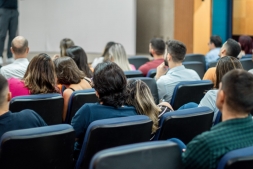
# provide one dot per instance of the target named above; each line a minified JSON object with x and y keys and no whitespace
{"x":20,"y":49}
{"x":235,"y":101}
{"x":214,"y":49}
{"x":229,"y":48}
{"x":176,"y":72}
{"x":156,"y":50}
{"x":18,"y":120}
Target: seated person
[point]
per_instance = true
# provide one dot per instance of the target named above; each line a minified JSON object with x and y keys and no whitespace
{"x":246,"y":45}
{"x":17,"y":69}
{"x":79,"y":56}
{"x":71,"y":77}
{"x":101,"y":58}
{"x":229,"y":48}
{"x":156,"y":50}
{"x":110,"y":84}
{"x":235,"y":100}
{"x":117,"y":54}
{"x":40,"y":78}
{"x":214,"y":47}
{"x":14,"y":121}
{"x":167,"y":79}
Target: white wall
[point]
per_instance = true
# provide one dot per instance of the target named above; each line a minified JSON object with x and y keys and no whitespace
{"x":89,"y":23}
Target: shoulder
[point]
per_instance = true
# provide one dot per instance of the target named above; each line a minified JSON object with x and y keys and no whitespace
{"x":15,"y":81}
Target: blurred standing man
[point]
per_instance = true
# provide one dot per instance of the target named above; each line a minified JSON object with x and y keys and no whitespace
{"x":8,"y":23}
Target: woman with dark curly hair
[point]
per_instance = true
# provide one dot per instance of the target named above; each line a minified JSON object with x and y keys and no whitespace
{"x":110,"y":84}
{"x":71,"y":77}
{"x":40,"y":78}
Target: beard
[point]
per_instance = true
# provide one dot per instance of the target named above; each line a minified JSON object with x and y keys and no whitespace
{"x":151,"y":54}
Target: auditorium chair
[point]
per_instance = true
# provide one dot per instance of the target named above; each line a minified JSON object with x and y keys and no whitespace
{"x":189,"y":91}
{"x":77,"y":100}
{"x":107,"y":133}
{"x":247,"y":64}
{"x":197,"y":66}
{"x":196,"y":57}
{"x":212,"y":64}
{"x":148,"y":155}
{"x":48,"y":106}
{"x":247,"y":56}
{"x":184,"y":124}
{"x":240,"y":158}
{"x":137,"y":61}
{"x":133,"y":73}
{"x":151,"y":73}
{"x":38,"y":148}
{"x":151,"y":83}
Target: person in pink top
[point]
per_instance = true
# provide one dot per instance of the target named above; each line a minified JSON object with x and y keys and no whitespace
{"x":40,"y":78}
{"x":156,"y":50}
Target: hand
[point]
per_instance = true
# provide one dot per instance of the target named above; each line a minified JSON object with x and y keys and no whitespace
{"x":161,"y":70}
{"x":55,"y":57}
{"x":166,"y":104}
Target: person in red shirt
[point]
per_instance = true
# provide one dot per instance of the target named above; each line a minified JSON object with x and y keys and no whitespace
{"x":156,"y":50}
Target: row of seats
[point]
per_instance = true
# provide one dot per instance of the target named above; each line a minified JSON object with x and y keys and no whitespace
{"x":55,"y":143}
{"x":49,"y":106}
{"x":52,"y":146}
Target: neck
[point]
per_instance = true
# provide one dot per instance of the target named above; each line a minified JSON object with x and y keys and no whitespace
{"x":228,"y":114}
{"x":20,"y":56}
{"x":4,"y":109}
{"x":174,"y":64}
{"x":158,"y":57}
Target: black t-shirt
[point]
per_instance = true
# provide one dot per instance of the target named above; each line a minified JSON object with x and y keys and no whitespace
{"x":9,"y":4}
{"x":21,"y":120}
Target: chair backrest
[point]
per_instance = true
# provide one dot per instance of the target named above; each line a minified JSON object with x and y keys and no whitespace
{"x":48,"y":106}
{"x":212,"y":64}
{"x":40,"y":148}
{"x":247,"y":56}
{"x":107,"y":133}
{"x":196,"y":57}
{"x":197,"y":66}
{"x":151,"y":83}
{"x":240,"y":158}
{"x":151,"y":73}
{"x":137,"y":61}
{"x":77,"y":100}
{"x":189,"y":91}
{"x":247,"y":64}
{"x":149,"y":155}
{"x":185,"y":124}
{"x":133,"y":73}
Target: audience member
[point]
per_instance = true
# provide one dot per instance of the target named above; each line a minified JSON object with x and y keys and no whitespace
{"x":101,"y":59}
{"x":117,"y":54}
{"x":214,"y":49}
{"x":229,"y":48}
{"x":20,"y":49}
{"x":64,"y":45}
{"x":236,"y":129}
{"x":71,"y":77}
{"x":14,"y":121}
{"x":246,"y":45}
{"x":39,"y":78}
{"x":224,"y":65}
{"x":166,"y":78}
{"x":110,"y":84}
{"x":79,"y":56}
{"x":141,"y":98}
{"x":156,"y":50}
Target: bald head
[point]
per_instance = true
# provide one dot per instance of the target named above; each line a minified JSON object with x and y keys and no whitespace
{"x":19,"y":46}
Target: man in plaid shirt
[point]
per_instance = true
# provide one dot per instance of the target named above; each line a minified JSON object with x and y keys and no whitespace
{"x":235,"y":101}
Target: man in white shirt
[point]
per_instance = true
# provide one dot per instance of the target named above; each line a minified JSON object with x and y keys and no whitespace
{"x":20,"y":49}
{"x":176,"y":72}
{"x":214,"y":47}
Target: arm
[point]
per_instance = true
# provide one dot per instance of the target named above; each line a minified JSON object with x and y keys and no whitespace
{"x":66,"y":95}
{"x":161,"y":70}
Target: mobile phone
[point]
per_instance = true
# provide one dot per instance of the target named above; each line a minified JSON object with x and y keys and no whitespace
{"x":166,"y":62}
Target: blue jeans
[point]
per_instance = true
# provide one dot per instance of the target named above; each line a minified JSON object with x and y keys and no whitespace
{"x":8,"y":23}
{"x":188,"y":106}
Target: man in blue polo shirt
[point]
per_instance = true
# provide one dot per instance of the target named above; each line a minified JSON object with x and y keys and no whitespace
{"x":14,"y":121}
{"x":8,"y":23}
